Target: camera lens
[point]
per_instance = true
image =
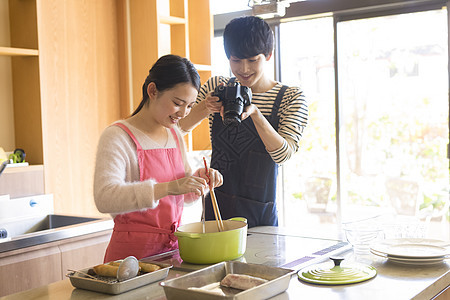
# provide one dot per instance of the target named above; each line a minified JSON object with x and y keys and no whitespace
{"x":231,"y":120}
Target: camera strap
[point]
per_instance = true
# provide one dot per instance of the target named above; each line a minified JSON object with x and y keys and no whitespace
{"x":231,"y":81}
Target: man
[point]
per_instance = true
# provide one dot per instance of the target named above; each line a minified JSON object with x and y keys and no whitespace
{"x":248,"y":154}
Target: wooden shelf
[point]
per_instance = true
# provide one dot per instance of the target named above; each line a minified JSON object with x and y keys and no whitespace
{"x":170,"y":20}
{"x":18,"y":51}
{"x":181,"y":27}
{"x":29,"y":168}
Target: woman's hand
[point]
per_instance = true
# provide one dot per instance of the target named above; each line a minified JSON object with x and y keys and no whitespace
{"x":215,"y":178}
{"x":186,"y":185}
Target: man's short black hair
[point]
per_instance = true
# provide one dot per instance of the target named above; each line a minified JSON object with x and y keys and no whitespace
{"x":247,"y":36}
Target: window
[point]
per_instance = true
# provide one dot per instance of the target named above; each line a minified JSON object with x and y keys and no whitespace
{"x":310,"y":176}
{"x":220,"y":65}
{"x":393,"y":83}
{"x":393,"y":108}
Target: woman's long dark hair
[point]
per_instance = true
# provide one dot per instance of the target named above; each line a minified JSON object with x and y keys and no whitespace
{"x":168,"y":71}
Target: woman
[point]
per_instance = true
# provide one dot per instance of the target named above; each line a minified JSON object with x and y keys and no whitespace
{"x":142,"y":177}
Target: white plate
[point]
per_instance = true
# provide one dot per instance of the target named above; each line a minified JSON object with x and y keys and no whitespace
{"x":411,"y":261}
{"x":412,"y":248}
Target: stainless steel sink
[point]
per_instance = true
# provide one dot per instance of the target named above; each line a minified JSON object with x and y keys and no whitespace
{"x":37,"y":224}
{"x":38,"y":230}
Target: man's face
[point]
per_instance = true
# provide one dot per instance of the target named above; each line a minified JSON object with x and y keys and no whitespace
{"x":248,"y":70}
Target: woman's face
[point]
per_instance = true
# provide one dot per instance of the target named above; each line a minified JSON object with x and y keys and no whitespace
{"x":171,"y":105}
{"x":249,"y":71}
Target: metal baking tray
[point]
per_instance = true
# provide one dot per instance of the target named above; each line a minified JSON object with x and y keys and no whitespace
{"x":112,"y":286}
{"x":204,"y":284}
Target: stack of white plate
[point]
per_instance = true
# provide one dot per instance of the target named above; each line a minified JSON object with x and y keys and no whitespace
{"x":415,"y":251}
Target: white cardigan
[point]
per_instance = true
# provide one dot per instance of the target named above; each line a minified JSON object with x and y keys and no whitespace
{"x":117,"y":188}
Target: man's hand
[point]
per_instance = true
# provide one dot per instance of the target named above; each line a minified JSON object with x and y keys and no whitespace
{"x":248,"y":111}
{"x":213,"y":104}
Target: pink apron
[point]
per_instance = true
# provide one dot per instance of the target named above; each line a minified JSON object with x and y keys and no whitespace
{"x":147,"y":232}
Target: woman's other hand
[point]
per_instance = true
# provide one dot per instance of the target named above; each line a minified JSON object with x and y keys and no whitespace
{"x":186,"y":185}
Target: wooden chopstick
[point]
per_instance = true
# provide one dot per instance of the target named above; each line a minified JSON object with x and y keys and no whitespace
{"x":214,"y":201}
{"x":216,"y":210}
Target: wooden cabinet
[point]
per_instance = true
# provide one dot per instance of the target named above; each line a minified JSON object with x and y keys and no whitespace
{"x":68,"y":69}
{"x":35,"y":266}
{"x":21,"y":123}
{"x":29,"y":269}
{"x":60,"y":62}
{"x":59,"y":90}
{"x":152,"y":28}
{"x":22,"y":181}
{"x":83,"y":253}
{"x":201,"y":33}
{"x":20,"y":48}
{"x":444,"y":294}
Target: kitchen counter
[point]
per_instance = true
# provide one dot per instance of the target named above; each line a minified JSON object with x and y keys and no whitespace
{"x":276,"y":246}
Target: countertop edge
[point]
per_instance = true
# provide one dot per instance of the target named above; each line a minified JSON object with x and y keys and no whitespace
{"x":435,"y":288}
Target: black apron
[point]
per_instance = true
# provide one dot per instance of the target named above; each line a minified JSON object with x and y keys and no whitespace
{"x":250,"y":174}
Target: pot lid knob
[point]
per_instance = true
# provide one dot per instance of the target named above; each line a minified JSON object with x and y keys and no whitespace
{"x":337,"y":260}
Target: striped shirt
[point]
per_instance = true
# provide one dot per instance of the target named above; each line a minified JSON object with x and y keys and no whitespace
{"x":293,"y":114}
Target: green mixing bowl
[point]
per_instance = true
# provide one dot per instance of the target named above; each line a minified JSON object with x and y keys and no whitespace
{"x":212,"y":246}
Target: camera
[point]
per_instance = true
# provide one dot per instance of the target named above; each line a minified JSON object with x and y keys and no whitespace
{"x":234,"y":97}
